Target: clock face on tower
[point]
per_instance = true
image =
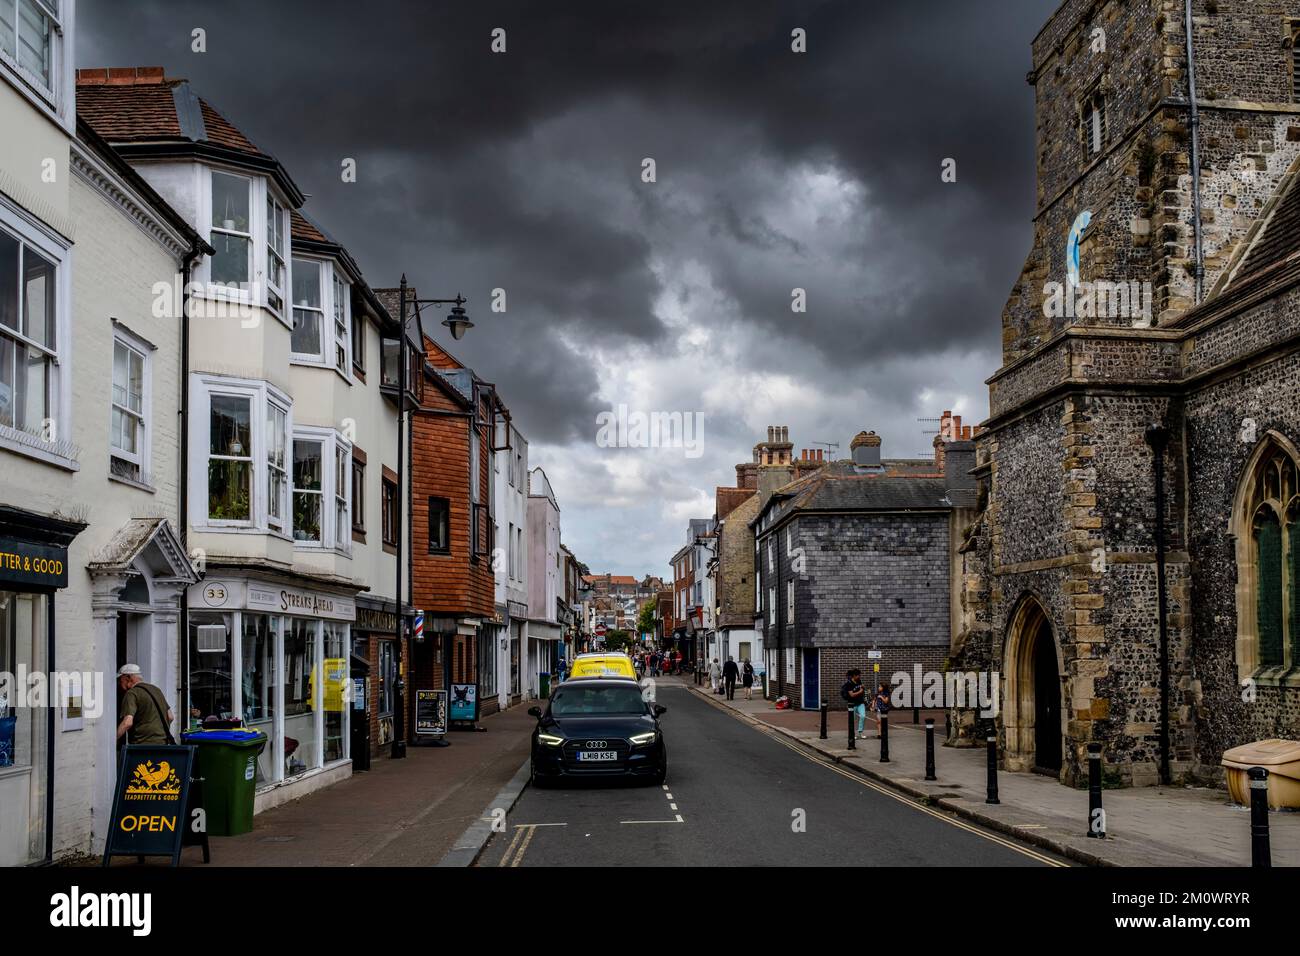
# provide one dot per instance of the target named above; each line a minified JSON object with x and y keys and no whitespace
{"x":1072,"y":246}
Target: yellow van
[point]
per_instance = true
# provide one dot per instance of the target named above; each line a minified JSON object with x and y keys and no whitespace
{"x":602,"y":665}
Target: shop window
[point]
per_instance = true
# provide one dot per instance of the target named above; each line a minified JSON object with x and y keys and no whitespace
{"x":211,"y":664}
{"x":301,"y":752}
{"x":387,"y":677}
{"x":23,"y":729}
{"x":259,"y":686}
{"x":331,"y":690}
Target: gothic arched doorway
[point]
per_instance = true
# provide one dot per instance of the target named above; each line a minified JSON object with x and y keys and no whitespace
{"x":1032,"y":719}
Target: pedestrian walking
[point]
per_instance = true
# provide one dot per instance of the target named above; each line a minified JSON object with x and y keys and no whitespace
{"x":747,"y":678}
{"x":855,"y":695}
{"x":715,"y":675}
{"x":677,"y":660}
{"x":145,"y":716}
{"x":730,"y":671}
{"x":881,"y":705}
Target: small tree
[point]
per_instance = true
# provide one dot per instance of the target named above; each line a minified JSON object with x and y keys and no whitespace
{"x":645,"y":621}
{"x":617,"y":640}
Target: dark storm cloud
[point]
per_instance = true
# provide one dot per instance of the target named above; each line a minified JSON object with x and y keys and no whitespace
{"x":479,"y":171}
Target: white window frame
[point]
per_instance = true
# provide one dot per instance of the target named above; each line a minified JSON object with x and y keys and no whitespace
{"x":334,"y":282}
{"x":142,"y":457}
{"x":789,"y":601}
{"x":202,"y":388}
{"x":57,"y":98}
{"x":332,"y":445}
{"x":274,"y":205}
{"x":29,"y":230}
{"x":285,"y":523}
{"x":244,"y":291}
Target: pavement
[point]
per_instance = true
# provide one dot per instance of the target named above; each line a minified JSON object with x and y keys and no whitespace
{"x":409,"y":812}
{"x":738,"y":796}
{"x":1145,"y":826}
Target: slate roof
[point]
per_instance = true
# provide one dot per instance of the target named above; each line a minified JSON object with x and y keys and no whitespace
{"x":841,"y":487}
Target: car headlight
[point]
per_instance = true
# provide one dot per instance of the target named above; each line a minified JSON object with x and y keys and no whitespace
{"x":643,"y":738}
{"x":550,"y":739}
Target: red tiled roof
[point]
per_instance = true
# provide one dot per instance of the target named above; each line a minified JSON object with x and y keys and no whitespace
{"x":304,"y":228}
{"x":136,"y":104}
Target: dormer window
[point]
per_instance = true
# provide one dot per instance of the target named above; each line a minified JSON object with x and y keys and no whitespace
{"x":232,"y":231}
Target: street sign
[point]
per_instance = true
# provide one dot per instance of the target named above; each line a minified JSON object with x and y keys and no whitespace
{"x":875,"y":656}
{"x":430,"y":713}
{"x":152,"y":812}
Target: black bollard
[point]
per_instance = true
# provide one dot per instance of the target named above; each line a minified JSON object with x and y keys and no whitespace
{"x":1260,"y":855}
{"x":825,"y":708}
{"x":916,"y":715}
{"x":993,"y":770}
{"x":947,"y":724}
{"x":929,"y":749}
{"x":852,"y":745}
{"x":1096,"y":815}
{"x":884,"y":738}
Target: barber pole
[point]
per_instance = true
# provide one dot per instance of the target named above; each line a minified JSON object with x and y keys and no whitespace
{"x":418,"y":631}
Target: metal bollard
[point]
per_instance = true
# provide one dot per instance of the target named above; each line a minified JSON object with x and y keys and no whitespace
{"x":852,"y":745}
{"x":884,"y":738}
{"x":993,"y":770}
{"x":916,"y":715}
{"x":929,"y":749}
{"x":825,"y":708}
{"x":1260,"y":854}
{"x":947,"y":724}
{"x":1096,"y":815}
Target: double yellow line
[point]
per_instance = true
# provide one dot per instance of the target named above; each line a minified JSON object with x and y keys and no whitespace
{"x":526,"y":832}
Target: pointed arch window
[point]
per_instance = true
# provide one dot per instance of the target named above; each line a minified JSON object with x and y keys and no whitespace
{"x":1268,"y":589}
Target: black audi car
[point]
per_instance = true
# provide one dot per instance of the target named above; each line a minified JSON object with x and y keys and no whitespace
{"x":598,"y":728}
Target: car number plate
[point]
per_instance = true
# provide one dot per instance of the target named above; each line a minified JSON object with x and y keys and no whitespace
{"x":586,"y":755}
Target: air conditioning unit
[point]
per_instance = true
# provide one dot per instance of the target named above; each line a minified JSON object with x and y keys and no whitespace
{"x":211,"y":638}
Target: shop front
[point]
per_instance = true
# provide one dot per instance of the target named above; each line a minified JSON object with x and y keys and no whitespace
{"x":277,"y":656}
{"x":374,"y":639}
{"x":33,"y":567}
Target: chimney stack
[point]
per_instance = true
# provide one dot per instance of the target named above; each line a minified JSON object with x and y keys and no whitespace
{"x":865,"y":449}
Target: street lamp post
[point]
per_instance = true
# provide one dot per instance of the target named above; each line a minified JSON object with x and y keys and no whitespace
{"x":457,"y":323}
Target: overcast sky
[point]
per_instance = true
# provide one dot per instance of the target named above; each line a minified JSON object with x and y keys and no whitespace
{"x":774,"y":171}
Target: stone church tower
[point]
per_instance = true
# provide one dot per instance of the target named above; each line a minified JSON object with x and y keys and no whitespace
{"x":1160,"y":222}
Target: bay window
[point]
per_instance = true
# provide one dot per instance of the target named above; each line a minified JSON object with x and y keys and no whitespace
{"x":321,"y":489}
{"x":129,"y":430}
{"x":230,"y":458}
{"x":342,"y":521}
{"x":307,"y":490}
{"x":240,"y":469}
{"x":320,"y":289}
{"x":341,"y":340}
{"x":232,"y":230}
{"x":277,"y":464}
{"x":276,"y":243}
{"x":30,"y":31}
{"x":308,"y":312}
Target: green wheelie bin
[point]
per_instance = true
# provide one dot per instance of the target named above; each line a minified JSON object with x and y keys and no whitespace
{"x":227,"y":764}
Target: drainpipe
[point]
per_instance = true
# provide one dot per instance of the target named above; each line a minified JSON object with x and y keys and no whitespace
{"x":187,"y":266}
{"x":1195,"y":123}
{"x":1157,"y":436}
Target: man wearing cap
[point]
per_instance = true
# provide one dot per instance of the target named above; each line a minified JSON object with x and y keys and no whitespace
{"x":146,"y":718}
